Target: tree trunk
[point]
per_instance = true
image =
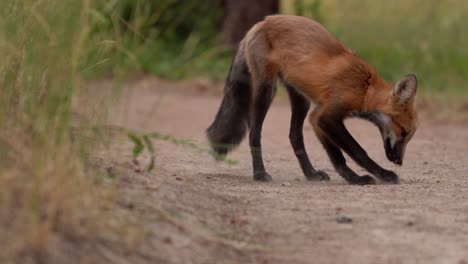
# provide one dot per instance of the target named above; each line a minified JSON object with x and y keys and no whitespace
{"x":241,"y":15}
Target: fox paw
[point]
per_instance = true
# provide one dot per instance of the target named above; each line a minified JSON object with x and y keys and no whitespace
{"x":262,"y":176}
{"x":363,"y":180}
{"x":317,"y":176}
{"x":389,"y":177}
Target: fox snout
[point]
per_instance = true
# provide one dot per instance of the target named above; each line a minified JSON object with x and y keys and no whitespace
{"x":394,"y":153}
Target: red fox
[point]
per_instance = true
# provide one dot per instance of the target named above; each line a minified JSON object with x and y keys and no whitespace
{"x":314,"y":66}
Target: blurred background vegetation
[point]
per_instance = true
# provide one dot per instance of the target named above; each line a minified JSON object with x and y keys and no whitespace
{"x":185,"y":39}
{"x":50,"y":48}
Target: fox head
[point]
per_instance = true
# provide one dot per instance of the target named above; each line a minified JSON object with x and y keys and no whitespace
{"x":397,"y":121}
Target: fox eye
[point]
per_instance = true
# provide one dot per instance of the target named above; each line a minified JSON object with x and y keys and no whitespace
{"x":404,"y":133}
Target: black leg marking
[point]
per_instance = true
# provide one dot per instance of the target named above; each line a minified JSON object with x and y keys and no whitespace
{"x":339,"y":162}
{"x":300,"y":107}
{"x":262,"y":103}
{"x":337,"y":132}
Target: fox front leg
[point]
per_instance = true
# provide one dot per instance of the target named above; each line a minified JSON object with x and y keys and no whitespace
{"x":334,"y":129}
{"x":336,"y":156}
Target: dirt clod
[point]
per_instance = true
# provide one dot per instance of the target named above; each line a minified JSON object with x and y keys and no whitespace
{"x":344,"y":220}
{"x":167,"y":240}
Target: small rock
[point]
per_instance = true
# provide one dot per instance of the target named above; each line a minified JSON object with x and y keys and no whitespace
{"x":428,"y":172}
{"x":410,"y":223}
{"x":344,"y":220}
{"x":178,"y":178}
{"x":152,"y":187}
{"x":137,"y":170}
{"x":110,"y":172}
{"x":128,"y":205}
{"x":297,"y":179}
{"x":167,"y":240}
{"x":286,"y":184}
{"x":438,"y":181}
{"x":425,"y":163}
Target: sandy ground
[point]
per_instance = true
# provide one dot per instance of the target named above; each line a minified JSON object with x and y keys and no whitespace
{"x":196,"y":210}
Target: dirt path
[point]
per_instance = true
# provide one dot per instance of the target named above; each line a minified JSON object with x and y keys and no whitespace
{"x":196,"y":210}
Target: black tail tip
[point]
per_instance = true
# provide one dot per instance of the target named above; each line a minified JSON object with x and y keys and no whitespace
{"x":219,"y":154}
{"x":218,"y":150}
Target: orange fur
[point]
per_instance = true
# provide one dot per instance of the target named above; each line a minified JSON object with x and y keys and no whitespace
{"x":311,"y":59}
{"x":314,"y":66}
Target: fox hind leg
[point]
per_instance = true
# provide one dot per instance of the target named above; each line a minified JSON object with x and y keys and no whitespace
{"x":265,"y":94}
{"x":300,"y":107}
{"x":263,"y":81}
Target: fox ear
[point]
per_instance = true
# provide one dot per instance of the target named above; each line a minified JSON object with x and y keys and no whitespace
{"x":405,"y":89}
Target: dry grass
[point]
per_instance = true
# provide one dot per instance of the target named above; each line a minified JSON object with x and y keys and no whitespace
{"x":45,"y":191}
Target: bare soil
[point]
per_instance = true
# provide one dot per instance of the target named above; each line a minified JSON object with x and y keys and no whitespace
{"x":193,"y":209}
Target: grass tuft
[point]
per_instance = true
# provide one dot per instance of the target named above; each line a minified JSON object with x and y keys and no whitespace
{"x":46,"y":192}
